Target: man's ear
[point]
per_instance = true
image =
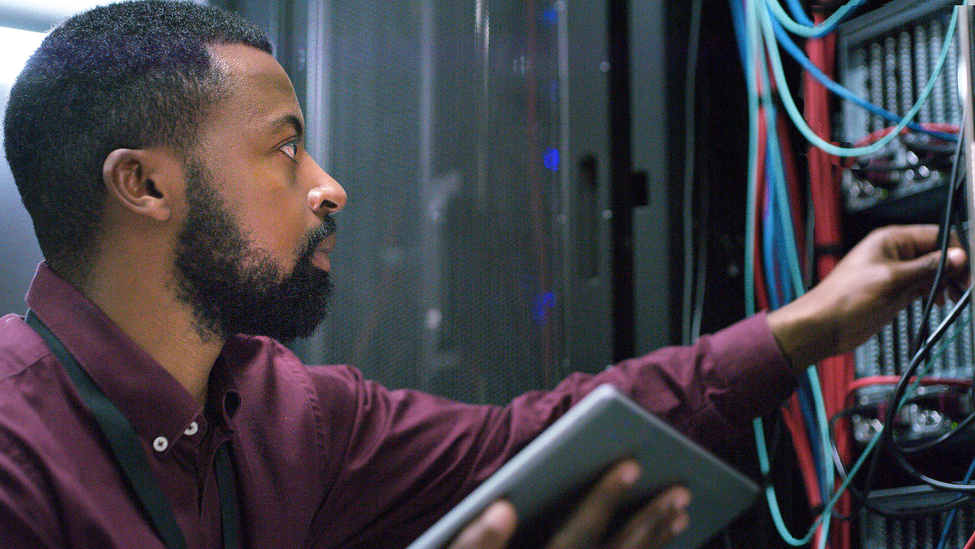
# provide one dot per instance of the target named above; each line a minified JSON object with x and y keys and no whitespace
{"x":135,"y":178}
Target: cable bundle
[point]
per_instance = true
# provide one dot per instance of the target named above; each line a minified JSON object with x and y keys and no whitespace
{"x":780,"y":241}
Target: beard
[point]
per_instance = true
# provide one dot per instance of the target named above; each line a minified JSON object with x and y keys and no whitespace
{"x":235,"y":288}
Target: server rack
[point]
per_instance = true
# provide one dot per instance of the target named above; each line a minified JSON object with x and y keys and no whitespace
{"x":484,"y":165}
{"x":887,"y":56}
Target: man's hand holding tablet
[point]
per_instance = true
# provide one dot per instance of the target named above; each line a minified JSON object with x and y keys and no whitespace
{"x":650,"y":528}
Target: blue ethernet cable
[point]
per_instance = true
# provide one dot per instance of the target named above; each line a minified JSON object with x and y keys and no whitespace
{"x":796,"y":116}
{"x":796,"y":53}
{"x":799,"y":13}
{"x":812,"y":31}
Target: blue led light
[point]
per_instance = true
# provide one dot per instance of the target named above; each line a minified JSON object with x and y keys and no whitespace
{"x":552,"y":159}
{"x":543,"y":303}
{"x":550,"y":16}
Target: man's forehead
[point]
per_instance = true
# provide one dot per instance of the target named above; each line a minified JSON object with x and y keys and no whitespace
{"x":245,"y":60}
{"x":260,"y":88}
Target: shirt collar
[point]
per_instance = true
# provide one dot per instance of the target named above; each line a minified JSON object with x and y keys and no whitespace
{"x":223,"y":398}
{"x":154,"y":403}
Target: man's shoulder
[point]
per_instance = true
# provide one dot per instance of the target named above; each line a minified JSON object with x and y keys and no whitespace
{"x":263,"y":352}
{"x":20,"y":347}
{"x":262,"y":363}
{"x":262,"y":355}
{"x":32,"y":390}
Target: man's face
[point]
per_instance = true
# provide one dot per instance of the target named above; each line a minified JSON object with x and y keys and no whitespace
{"x":235,"y":287}
{"x":252,"y":255}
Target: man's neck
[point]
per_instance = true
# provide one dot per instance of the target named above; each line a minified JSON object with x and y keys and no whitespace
{"x":161,"y":325}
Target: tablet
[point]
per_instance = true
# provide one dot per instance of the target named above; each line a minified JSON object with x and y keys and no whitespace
{"x":551,"y":474}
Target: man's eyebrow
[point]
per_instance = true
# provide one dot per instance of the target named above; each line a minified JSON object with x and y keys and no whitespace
{"x":290,"y":120}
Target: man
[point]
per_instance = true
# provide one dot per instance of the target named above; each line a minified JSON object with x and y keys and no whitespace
{"x":158,"y":149}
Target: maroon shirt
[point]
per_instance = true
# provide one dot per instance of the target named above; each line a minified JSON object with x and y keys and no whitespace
{"x":324,"y":457}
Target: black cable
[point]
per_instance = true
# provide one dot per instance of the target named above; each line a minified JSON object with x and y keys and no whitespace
{"x":861,"y":499}
{"x":917,"y":448}
{"x":901,"y":388}
{"x":965,"y":488}
{"x":944,"y":233}
{"x":952,"y":218}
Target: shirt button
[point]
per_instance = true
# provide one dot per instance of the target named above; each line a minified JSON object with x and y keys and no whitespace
{"x":192,"y":429}
{"x":160,"y":444}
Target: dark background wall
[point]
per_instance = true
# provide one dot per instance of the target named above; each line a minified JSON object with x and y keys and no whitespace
{"x":19,"y":253}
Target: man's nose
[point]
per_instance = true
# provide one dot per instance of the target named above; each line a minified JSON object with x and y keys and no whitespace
{"x":326,"y":196}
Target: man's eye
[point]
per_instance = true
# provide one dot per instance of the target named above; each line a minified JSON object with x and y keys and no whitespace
{"x":291,"y":149}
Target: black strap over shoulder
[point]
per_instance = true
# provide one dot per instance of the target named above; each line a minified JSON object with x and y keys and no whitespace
{"x":227,"y":488}
{"x":131,"y":458}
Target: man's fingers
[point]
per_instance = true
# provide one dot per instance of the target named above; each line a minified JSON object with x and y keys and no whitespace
{"x":906,"y":242}
{"x":650,"y":528}
{"x":491,"y":530}
{"x":656,"y":523}
{"x":916,"y":274}
{"x":957,"y":260}
{"x":589,"y":521}
{"x":913,"y":278}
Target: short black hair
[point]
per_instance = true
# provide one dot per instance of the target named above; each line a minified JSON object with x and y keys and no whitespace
{"x":131,"y":75}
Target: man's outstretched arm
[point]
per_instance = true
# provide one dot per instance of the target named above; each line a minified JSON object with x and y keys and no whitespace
{"x":879,"y":277}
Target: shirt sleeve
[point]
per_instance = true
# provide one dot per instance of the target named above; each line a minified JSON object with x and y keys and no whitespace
{"x":416,"y":455}
{"x":26,"y":518}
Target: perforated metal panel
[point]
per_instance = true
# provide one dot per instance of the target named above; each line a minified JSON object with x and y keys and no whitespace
{"x":443,"y":123}
{"x":888,"y":56}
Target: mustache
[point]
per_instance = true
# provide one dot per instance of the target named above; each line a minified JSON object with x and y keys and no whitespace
{"x":317,"y":235}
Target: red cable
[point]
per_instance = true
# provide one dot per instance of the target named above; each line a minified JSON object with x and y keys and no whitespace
{"x":792,"y":412}
{"x":792,"y":415}
{"x":792,"y":179}
{"x":877,"y":135}
{"x":835,"y":373}
{"x":971,"y":542}
{"x":761,"y":291}
{"x":893,"y":380}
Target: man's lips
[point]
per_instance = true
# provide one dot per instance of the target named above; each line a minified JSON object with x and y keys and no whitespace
{"x":320,"y":257}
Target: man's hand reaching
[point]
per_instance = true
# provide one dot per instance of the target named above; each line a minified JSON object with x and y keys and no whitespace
{"x":881,"y":275}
